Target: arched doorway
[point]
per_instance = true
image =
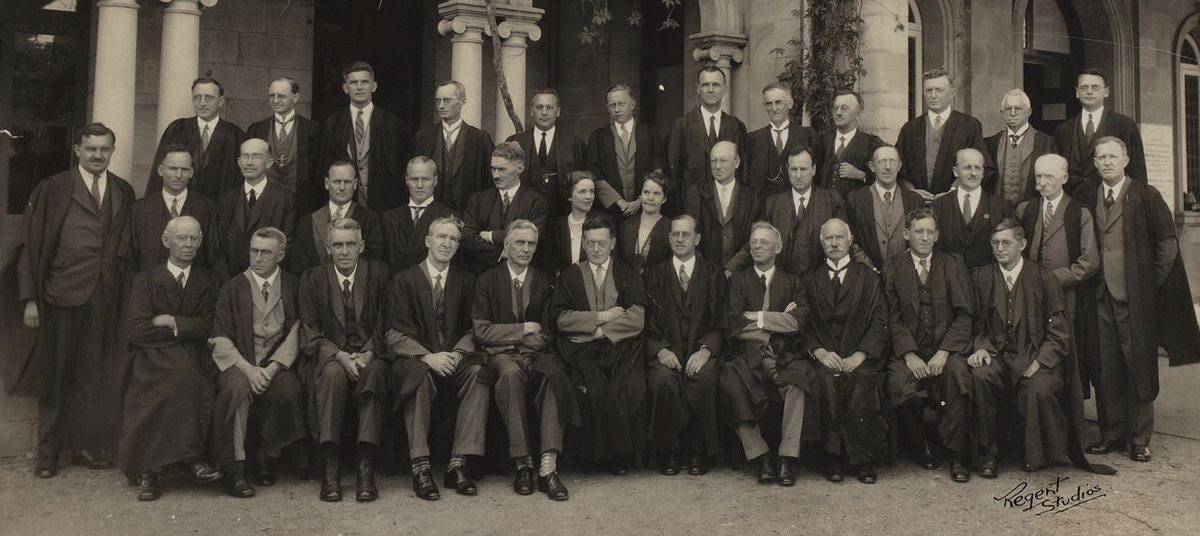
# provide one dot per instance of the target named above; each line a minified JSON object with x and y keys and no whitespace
{"x":1053,"y":55}
{"x":1187,"y":123}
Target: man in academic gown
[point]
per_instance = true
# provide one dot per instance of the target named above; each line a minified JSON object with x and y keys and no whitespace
{"x":489,"y":211}
{"x":150,"y":214}
{"x":1076,"y":138}
{"x":929,"y":142}
{"x":599,"y":310}
{"x":724,"y":210}
{"x":341,"y":313}
{"x":694,"y":135}
{"x":71,"y":262}
{"x":968,"y":213}
{"x":212,"y":141}
{"x":256,"y":204}
{"x":310,"y":249}
{"x":375,"y":139}
{"x":762,"y":364}
{"x":429,"y":310}
{"x":551,"y":153}
{"x":798,"y":214}
{"x":462,"y":152}
{"x":511,"y":317}
{"x":876,"y":213}
{"x":169,"y":398}
{"x":1015,"y":149}
{"x":405,"y":227}
{"x":685,"y":332}
{"x":255,"y":343}
{"x":846,"y":335}
{"x":621,"y":154}
{"x":845,"y":151}
{"x":295,"y":143}
{"x":930,"y":310}
{"x":767,"y":148}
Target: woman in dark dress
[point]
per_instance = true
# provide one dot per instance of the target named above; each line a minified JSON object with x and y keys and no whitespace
{"x":563,"y":242}
{"x":643,"y":239}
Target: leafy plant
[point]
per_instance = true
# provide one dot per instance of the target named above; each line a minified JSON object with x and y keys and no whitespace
{"x":592,"y":32}
{"x":829,"y":61}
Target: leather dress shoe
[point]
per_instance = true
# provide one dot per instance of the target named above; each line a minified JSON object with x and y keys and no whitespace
{"x":667,"y":464}
{"x":46,"y":466}
{"x":959,"y":472}
{"x":265,"y":476}
{"x":148,"y":489}
{"x":86,"y":458}
{"x":523,"y":481}
{"x":458,"y":479}
{"x":925,"y":458}
{"x":766,"y":473}
{"x":833,"y":471}
{"x":987,"y":469}
{"x":1139,"y":453}
{"x":699,"y":464}
{"x":786,"y":476}
{"x":235,"y":482}
{"x":424,"y":486}
{"x":1105,"y":446}
{"x":1031,"y":468}
{"x":552,"y":487}
{"x":202,"y":473}
{"x":331,"y":482}
{"x":366,"y":491}
{"x":866,"y":474}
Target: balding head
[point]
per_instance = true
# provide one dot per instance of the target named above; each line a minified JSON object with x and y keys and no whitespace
{"x":968,"y":167}
{"x":182,"y":237}
{"x":723,"y":158}
{"x":1050,"y":173}
{"x":254,"y":159}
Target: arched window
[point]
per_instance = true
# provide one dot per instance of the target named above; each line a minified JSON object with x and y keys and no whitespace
{"x":1189,"y":118}
{"x":915,"y":67}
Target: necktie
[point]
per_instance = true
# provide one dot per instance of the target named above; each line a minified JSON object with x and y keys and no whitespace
{"x":337,"y":215}
{"x":762,"y":282}
{"x":96,"y":188}
{"x":266,"y":290}
{"x":519,"y":298}
{"x":360,"y":129}
{"x":180,"y":280}
{"x":599,"y":280}
{"x":966,"y":208}
{"x":624,"y":136}
{"x":283,"y":126}
{"x":174,"y":207}
{"x":683,"y":278}
{"x":712,"y":130}
{"x":887,"y":197}
{"x":416,"y":212}
{"x":507,"y":200}
{"x":253,"y":198}
{"x":438,"y":292}
{"x":841,"y":147}
{"x":542,"y":149}
{"x":347,"y":296}
{"x":800,"y":208}
{"x":779,"y":140}
{"x":205,"y":136}
{"x":438,"y":313}
{"x":1016,"y":138}
{"x":1090,"y":129}
{"x":450,"y":132}
{"x":1008,"y":281}
{"x":835,"y":277}
{"x":937,"y":123}
{"x":924,"y":273}
{"x":1049,"y":213}
{"x":1109,"y":200}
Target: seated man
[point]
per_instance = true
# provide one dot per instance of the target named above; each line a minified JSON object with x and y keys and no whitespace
{"x":511,"y":318}
{"x":686,"y":329}
{"x":256,"y":382}
{"x":169,"y":403}
{"x":846,"y":334}
{"x":490,"y":211}
{"x":429,"y":306}
{"x":764,"y":317}
{"x":599,"y":308}
{"x":930,"y":310}
{"x":310,"y":248}
{"x":341,"y":311}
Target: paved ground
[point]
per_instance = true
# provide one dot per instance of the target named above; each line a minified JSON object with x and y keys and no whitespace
{"x":1153,"y":498}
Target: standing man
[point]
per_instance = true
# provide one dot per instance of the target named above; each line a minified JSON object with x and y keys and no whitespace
{"x":150,"y":214}
{"x":695,"y":134}
{"x":310,"y":248}
{"x":462,"y":152}
{"x":845,"y":152}
{"x":373,"y":138}
{"x":429,"y":307}
{"x":876,"y":213}
{"x":768,"y":147}
{"x":724,"y":209}
{"x":489,"y":211}
{"x":168,"y":405}
{"x":212,"y":142}
{"x":69,"y":273}
{"x":258,"y":203}
{"x":295,"y":141}
{"x":1142,"y":300}
{"x":511,"y":318}
{"x":551,"y":155}
{"x":687,"y":327}
{"x":1015,"y":150}
{"x":1077,"y":137}
{"x":622,"y":153}
{"x":929,"y":142}
{"x":969,"y":213}
{"x":405,"y":227}
{"x":341,"y":313}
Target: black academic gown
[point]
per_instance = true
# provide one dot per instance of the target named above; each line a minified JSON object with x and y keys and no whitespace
{"x":216,"y":169}
{"x":468,"y":167}
{"x":703,"y":203}
{"x":149,"y":216}
{"x":567,"y":154}
{"x":1071,"y":142}
{"x":801,"y":238}
{"x":961,"y":131}
{"x":859,"y":150}
{"x":310,"y":177}
{"x":688,"y":146}
{"x":391,"y":147}
{"x":766,"y":166}
{"x":234,"y":223}
{"x":485,"y":212}
{"x":1043,"y":144}
{"x":860,"y":213}
{"x":602,"y":159}
{"x":404,"y":239}
{"x":307,"y":248}
{"x":656,"y":249}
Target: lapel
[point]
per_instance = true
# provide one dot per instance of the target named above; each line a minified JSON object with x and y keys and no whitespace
{"x":824,"y":286}
{"x":506,"y":307}
{"x":256,"y":210}
{"x":247,"y":303}
{"x":919,"y":150}
{"x":164,"y":282}
{"x":1109,"y":217}
{"x":320,"y":222}
{"x":982,"y":214}
{"x":82,"y":195}
{"x":949,"y":131}
{"x":1058,"y":221}
{"x":729,"y":128}
{"x":857,"y":145}
{"x":335,"y":293}
{"x":362,"y":280}
{"x":908,"y":282}
{"x":698,"y":128}
{"x":425,"y":302}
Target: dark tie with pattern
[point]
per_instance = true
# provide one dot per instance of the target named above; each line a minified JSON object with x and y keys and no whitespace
{"x":180,"y":281}
{"x":518,"y":300}
{"x":266,"y":291}
{"x":835,"y":277}
{"x":1109,"y":200}
{"x":712,"y":130}
{"x":683,"y":278}
{"x":360,"y":129}
{"x":1090,"y":129}
{"x":924,"y":273}
{"x":438,"y":304}
{"x":95,"y":189}
{"x":174,"y":207}
{"x":542,"y":149}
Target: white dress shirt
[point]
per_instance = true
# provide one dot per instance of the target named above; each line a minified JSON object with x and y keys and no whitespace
{"x":273,"y":280}
{"x":975,"y":194}
{"x":334,"y":208}
{"x":367,"y":111}
{"x":1014,"y":273}
{"x":770,"y":274}
{"x":917,"y":261}
{"x":1116,"y":190}
{"x":175,"y":271}
{"x":211,"y":124}
{"x":688,"y":266}
{"x":103,"y":185}
{"x":1096,"y":116}
{"x":724,"y":194}
{"x":716,"y":121}
{"x":257,"y":188}
{"x":800,"y":200}
{"x":169,"y":199}
{"x":781,"y":130}
{"x":839,"y":266}
{"x":879,"y":189}
{"x":945,"y":116}
{"x":537,"y":138}
{"x":451,"y":131}
{"x":284,"y":124}
{"x":434,"y":273}
{"x":342,"y":279}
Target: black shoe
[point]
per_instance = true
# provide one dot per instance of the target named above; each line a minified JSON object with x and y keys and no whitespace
{"x":833,"y":470}
{"x":926,"y":459}
{"x":458,"y":479}
{"x":766,"y":473}
{"x":786,"y":476}
{"x":523,"y":481}
{"x":552,"y":487}
{"x":1105,"y":447}
{"x":148,"y":487}
{"x":235,"y":481}
{"x":46,"y":466}
{"x":85,"y":458}
{"x":667,"y":464}
{"x":699,"y":464}
{"x":367,"y":491}
{"x":866,"y":474}
{"x":424,"y":486}
{"x":1031,"y":468}
{"x":331,"y":482}
{"x":1140,"y":453}
{"x":959,"y":472}
{"x":617,"y":466}
{"x":265,"y":476}
{"x":987,"y":469}
{"x":202,"y":473}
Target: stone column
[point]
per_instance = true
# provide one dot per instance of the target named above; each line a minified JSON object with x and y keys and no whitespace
{"x":465,"y":21}
{"x":116,"y":70}
{"x":722,"y":48}
{"x":884,"y":50}
{"x":513,"y":50}
{"x":179,"y":61}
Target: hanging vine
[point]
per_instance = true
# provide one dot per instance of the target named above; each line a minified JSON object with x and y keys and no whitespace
{"x":829,"y":59}
{"x":592,"y":32}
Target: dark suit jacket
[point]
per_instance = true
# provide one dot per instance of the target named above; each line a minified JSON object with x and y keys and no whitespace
{"x":860,"y":210}
{"x":324,"y":328}
{"x":953,"y":303}
{"x":309,"y":189}
{"x":149,"y":216}
{"x":602,"y":158}
{"x":801,"y":240}
{"x":570,"y":154}
{"x":688,"y":147}
{"x":960,"y":132}
{"x":1069,"y":139}
{"x":971,"y":242}
{"x":230,"y":234}
{"x":307,"y":248}
{"x":683,"y":321}
{"x":391,"y":146}
{"x":1042,"y":144}
{"x":760,"y":145}
{"x":217,"y":171}
{"x":701,"y":203}
{"x":859,"y":150}
{"x":404,"y":240}
{"x":485,"y":212}
{"x":859,"y":302}
{"x":472,"y":173}
{"x":1042,"y":330}
{"x":412,"y":330}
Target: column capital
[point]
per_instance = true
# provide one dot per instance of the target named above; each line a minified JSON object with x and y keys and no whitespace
{"x":458,"y":17}
{"x":131,"y":4}
{"x":519,"y":30}
{"x":719,"y":46}
{"x":205,"y":3}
